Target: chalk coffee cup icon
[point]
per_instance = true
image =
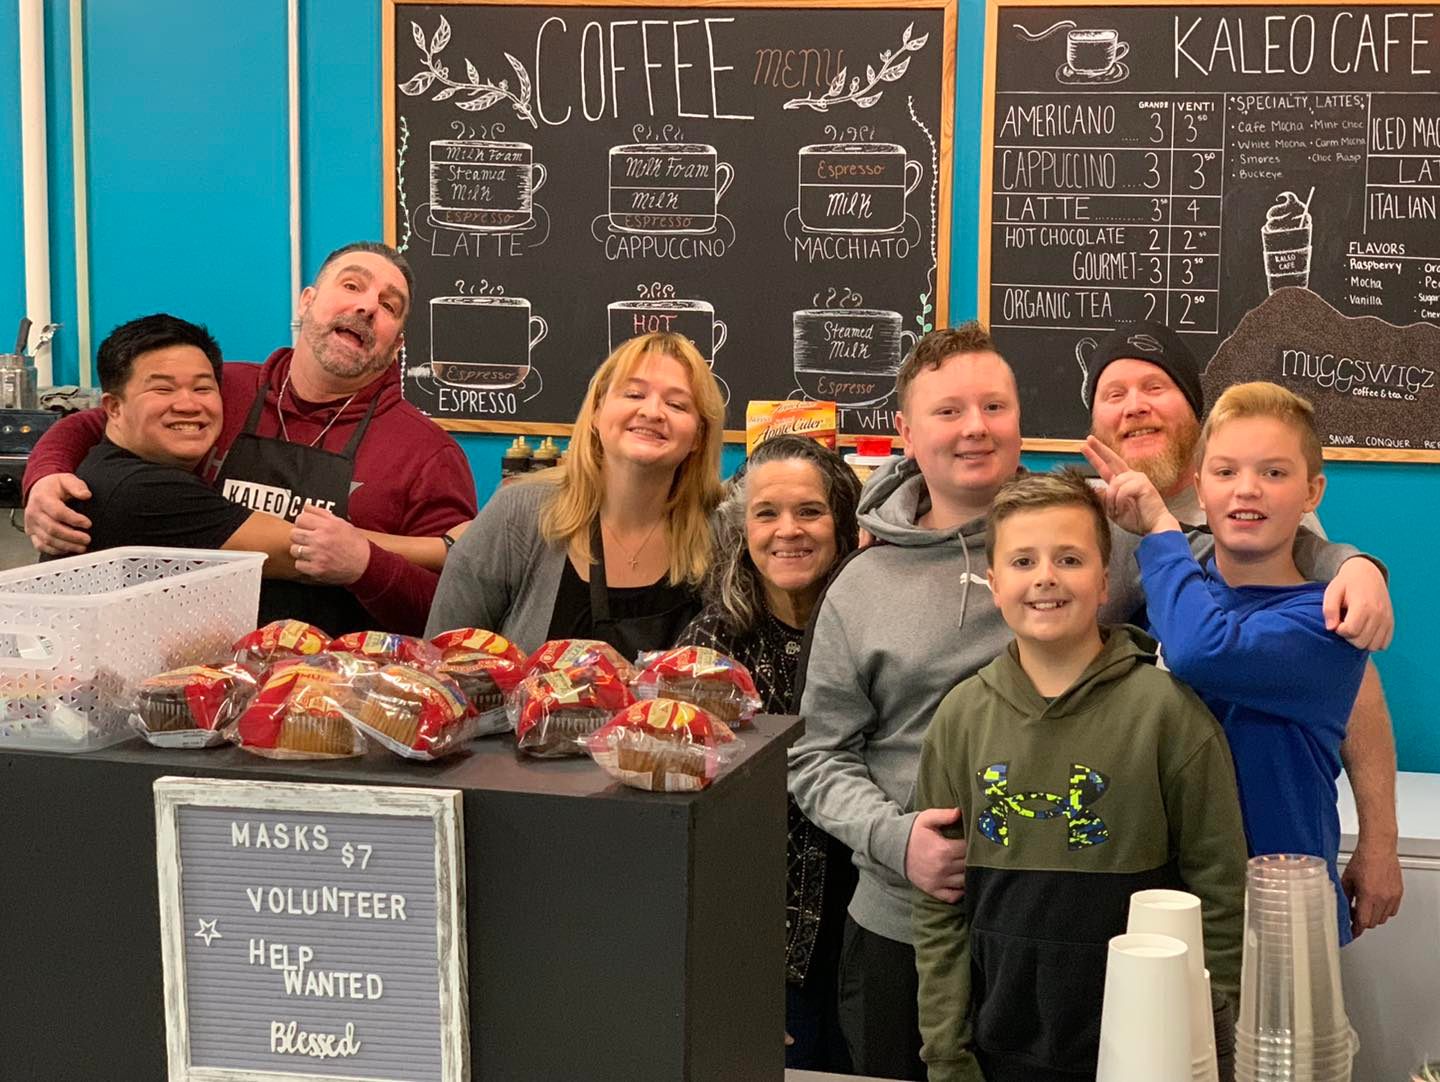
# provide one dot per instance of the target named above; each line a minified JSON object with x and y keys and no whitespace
{"x":694,"y":319}
{"x":483,"y":186}
{"x":666,"y":187}
{"x":1094,"y":52}
{"x":848,"y":355}
{"x":855,"y":187}
{"x":483,"y":342}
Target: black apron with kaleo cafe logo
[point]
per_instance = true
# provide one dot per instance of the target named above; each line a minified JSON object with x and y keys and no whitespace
{"x":282,"y":479}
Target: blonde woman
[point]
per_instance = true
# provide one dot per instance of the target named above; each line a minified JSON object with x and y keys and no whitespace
{"x":613,"y":543}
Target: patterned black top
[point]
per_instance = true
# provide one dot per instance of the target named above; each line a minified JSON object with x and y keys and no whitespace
{"x":771,"y":651}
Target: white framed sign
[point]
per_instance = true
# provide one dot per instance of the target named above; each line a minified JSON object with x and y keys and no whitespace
{"x":312,"y":933}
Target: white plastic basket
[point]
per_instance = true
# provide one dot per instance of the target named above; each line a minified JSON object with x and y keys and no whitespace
{"x":77,"y":635}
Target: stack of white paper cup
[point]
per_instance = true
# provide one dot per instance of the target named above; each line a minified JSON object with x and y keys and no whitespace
{"x":1145,"y":1019}
{"x":1176,"y":913}
{"x":1292,"y":1025}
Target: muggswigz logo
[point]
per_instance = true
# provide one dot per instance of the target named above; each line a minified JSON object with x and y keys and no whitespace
{"x":1357,"y":376}
{"x":1146,"y":343}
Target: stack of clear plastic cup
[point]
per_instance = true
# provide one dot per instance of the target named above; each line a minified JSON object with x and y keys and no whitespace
{"x":1178,"y":914}
{"x":1292,"y":1025}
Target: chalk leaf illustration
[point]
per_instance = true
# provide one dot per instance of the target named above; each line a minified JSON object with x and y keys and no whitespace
{"x":482,"y":94}
{"x":892,"y":67}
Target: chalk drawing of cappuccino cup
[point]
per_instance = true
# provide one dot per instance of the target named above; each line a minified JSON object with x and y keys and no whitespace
{"x":483,"y":342}
{"x":855,"y":187}
{"x":483,"y":186}
{"x":848,"y":355}
{"x":666,"y":187}
{"x":694,"y":319}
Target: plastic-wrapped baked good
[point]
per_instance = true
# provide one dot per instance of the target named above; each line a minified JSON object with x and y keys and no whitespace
{"x":384,"y":648}
{"x":414,"y":713}
{"x":192,"y":706}
{"x":487,"y":667}
{"x":280,"y":640}
{"x":560,"y":654}
{"x":718,"y":684}
{"x":663,"y":745}
{"x":554,"y":712}
{"x":302,"y":711}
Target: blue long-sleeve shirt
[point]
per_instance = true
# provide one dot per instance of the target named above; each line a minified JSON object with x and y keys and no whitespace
{"x":1281,"y":685}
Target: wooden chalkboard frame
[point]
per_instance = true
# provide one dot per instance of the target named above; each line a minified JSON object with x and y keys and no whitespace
{"x":441,"y":806}
{"x":946,"y":145}
{"x":993,"y":10}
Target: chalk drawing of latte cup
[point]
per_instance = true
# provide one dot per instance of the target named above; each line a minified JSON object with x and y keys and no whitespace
{"x":666,"y":187}
{"x":483,"y":186}
{"x":483,"y":342}
{"x":848,"y":355}
{"x":1093,"y":57}
{"x":855,"y":187}
{"x":694,"y":319}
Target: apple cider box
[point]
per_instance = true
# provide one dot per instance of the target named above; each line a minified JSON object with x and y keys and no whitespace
{"x":790,"y":417}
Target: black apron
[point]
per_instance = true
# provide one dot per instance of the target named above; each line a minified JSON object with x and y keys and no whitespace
{"x":631,"y":635}
{"x":282,"y":478}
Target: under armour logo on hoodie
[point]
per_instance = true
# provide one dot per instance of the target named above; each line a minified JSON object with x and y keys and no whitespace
{"x":1084,"y":827}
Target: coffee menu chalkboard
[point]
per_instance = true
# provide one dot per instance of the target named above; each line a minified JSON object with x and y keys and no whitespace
{"x":1264,"y":178}
{"x":771,"y":181}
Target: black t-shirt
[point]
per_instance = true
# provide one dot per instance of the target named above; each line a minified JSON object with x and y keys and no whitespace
{"x":664,"y":609}
{"x":134,"y":502}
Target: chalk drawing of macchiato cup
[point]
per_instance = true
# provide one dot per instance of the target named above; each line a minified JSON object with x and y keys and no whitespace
{"x":855,"y":187}
{"x":694,"y":319}
{"x":483,"y":342}
{"x":666,"y":187}
{"x":483,"y":186}
{"x":848,"y":355}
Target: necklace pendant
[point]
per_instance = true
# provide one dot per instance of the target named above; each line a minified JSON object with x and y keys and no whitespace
{"x":634,"y":562}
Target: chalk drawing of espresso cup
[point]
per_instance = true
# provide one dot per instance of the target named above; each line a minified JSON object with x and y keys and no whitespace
{"x":483,"y":342}
{"x":1094,"y":52}
{"x":666,"y":187}
{"x":482,"y":186}
{"x":848,"y":355}
{"x":694,"y":319}
{"x":855,"y":187}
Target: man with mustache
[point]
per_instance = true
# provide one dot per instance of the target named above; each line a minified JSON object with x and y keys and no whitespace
{"x":1143,"y":388}
{"x":321,"y":436}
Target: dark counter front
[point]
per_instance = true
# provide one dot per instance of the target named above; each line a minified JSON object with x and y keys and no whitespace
{"x":611,"y":933}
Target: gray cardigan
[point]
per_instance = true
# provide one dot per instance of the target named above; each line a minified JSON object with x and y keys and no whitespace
{"x":501,"y":575}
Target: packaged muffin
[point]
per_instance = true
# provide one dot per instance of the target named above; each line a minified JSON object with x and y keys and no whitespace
{"x":716,"y":683}
{"x":278,"y":641}
{"x":560,"y":654}
{"x":414,"y":713}
{"x":553,"y":712}
{"x":487,"y":667}
{"x":192,"y":706}
{"x":663,"y":745}
{"x":303,"y":710}
{"x":384,"y":648}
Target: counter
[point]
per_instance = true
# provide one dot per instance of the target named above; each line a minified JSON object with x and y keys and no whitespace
{"x":611,"y":933}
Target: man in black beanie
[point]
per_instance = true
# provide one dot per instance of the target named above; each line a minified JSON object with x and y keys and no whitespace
{"x":1142,"y":386}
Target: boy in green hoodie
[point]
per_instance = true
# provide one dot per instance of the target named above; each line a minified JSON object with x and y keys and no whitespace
{"x":1083,"y":773}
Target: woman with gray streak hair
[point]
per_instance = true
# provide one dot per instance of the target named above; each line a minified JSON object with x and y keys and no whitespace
{"x":786,"y":524}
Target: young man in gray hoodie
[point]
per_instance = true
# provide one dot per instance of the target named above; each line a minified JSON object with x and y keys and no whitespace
{"x":902,"y":622}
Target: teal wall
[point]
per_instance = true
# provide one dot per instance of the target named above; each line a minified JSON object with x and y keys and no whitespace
{"x":188,"y":187}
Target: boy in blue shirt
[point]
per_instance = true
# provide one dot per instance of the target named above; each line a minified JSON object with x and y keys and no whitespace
{"x":1247,"y":631}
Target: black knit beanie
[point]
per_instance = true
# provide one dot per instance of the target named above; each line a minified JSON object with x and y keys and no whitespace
{"x":1152,"y":342}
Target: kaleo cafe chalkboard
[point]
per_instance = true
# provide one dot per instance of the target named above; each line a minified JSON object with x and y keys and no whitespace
{"x":1265,"y":178}
{"x":770,"y":180}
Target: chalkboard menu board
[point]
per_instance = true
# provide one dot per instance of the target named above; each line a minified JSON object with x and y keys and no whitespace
{"x":1263,"y":178}
{"x":311,"y":931}
{"x":770,"y":180}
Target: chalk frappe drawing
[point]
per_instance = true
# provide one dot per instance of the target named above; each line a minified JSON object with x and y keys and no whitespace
{"x":1286,"y":239}
{"x":483,"y":342}
{"x":695,"y":319}
{"x":847,"y":354}
{"x":855,"y":188}
{"x":483,"y":186}
{"x":1094,"y":56}
{"x":670,"y":188}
